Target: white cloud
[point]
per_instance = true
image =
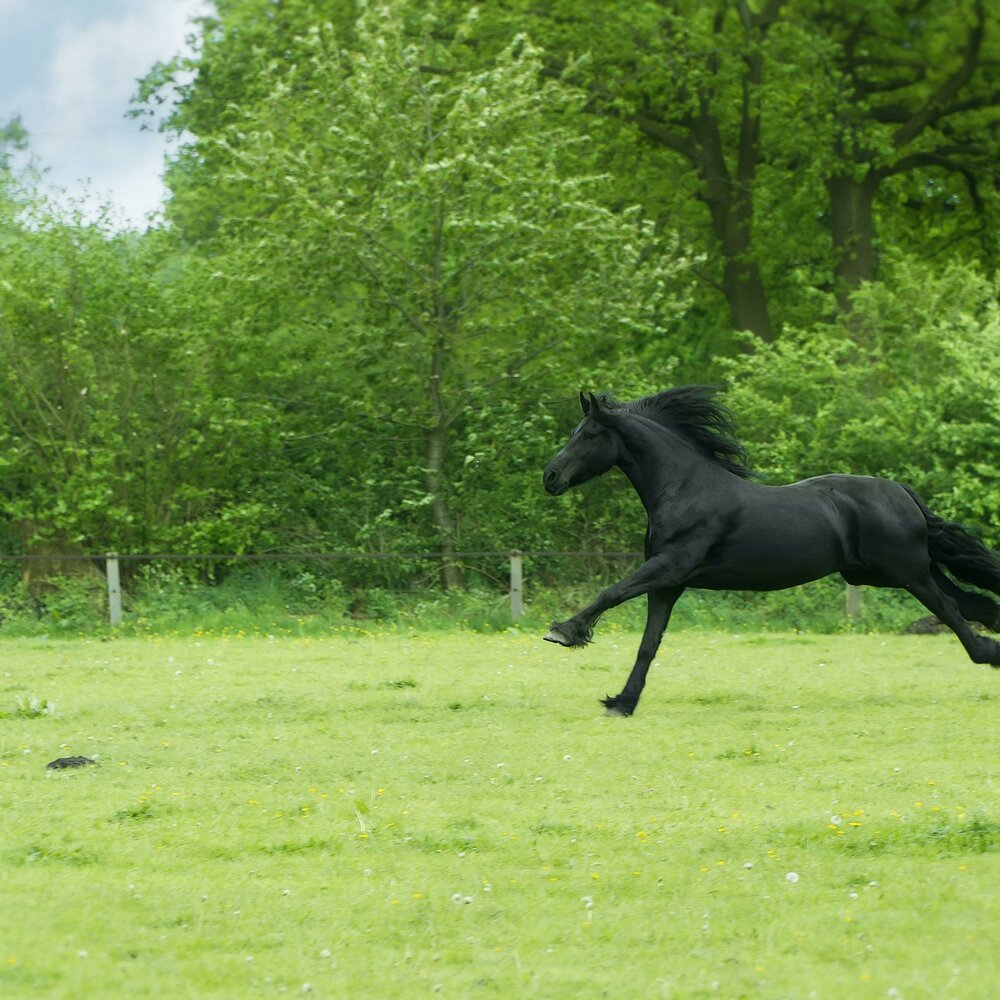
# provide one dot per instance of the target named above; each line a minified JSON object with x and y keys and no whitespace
{"x":96,"y":68}
{"x":76,"y":93}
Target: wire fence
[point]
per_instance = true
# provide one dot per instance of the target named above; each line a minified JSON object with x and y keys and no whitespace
{"x":110,"y":563}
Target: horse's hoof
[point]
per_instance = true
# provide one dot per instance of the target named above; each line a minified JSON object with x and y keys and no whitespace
{"x":616,"y":708}
{"x":557,"y":637}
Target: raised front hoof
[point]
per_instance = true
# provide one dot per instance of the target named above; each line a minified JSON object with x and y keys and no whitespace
{"x":567,"y":634}
{"x":617,"y":707}
{"x":557,"y":637}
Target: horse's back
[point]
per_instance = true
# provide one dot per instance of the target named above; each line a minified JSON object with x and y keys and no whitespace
{"x":872,"y":498}
{"x":781,"y":536}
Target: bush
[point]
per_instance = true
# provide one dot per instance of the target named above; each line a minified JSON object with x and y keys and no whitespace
{"x":904,"y":387}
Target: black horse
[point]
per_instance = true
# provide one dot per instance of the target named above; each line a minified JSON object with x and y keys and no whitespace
{"x":711,"y":526}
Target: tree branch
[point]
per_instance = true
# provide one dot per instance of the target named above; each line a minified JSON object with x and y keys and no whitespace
{"x":664,"y":136}
{"x":392,"y":297}
{"x":938,"y":159}
{"x":937,"y":104}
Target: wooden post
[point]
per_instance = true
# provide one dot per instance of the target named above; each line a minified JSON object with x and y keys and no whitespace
{"x":852,"y":602}
{"x":114,"y":590}
{"x":516,"y":586}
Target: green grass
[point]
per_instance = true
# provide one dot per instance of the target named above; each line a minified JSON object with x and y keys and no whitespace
{"x":404,"y":815}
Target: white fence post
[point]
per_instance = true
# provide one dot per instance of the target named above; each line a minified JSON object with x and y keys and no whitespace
{"x":852,"y":601}
{"x":516,"y":585}
{"x":114,"y":590}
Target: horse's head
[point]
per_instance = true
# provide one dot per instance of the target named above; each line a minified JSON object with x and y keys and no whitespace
{"x":591,"y":450}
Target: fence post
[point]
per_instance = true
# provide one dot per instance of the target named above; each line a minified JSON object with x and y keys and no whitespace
{"x":114,"y":590}
{"x":516,"y":585}
{"x":852,"y":601}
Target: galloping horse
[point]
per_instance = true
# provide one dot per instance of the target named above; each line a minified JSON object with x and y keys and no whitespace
{"x":711,"y":526}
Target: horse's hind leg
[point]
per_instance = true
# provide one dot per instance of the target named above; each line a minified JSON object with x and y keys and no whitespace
{"x":973,"y":606}
{"x":980,"y":648}
{"x":660,"y":604}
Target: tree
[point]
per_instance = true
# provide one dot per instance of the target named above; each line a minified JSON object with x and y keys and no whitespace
{"x":112,"y":435}
{"x":676,"y":84}
{"x":797,"y":129}
{"x":421,"y":212}
{"x":910,"y":100}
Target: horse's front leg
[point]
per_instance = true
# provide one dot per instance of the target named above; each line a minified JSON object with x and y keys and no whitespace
{"x":660,"y":604}
{"x":657,"y":573}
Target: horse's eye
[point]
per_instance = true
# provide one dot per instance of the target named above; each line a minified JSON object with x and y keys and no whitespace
{"x":591,"y":430}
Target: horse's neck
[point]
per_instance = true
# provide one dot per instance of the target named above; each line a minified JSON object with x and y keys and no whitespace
{"x":661,"y":465}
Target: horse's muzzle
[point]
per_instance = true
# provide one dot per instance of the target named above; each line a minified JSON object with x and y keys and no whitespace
{"x":554,"y":483}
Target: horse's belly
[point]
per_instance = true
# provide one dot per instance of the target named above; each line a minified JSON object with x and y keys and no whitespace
{"x":775,"y":565}
{"x":755,"y":578}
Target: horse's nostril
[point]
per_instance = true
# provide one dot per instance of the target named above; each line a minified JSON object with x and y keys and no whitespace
{"x":552,"y":482}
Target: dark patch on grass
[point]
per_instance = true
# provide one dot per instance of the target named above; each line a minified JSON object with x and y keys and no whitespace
{"x":452,"y":842}
{"x":740,"y":701}
{"x":770,"y":639}
{"x":556,"y":829}
{"x":62,"y":763}
{"x":399,"y":685}
{"x":143,"y":811}
{"x":40,"y":854}
{"x":480,"y":705}
{"x":315,"y":845}
{"x":866,"y":701}
{"x":748,"y":753}
{"x":860,"y":880}
{"x":978,"y":836}
{"x":269,"y":701}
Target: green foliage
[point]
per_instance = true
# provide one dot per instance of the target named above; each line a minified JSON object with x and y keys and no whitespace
{"x":316,"y":598}
{"x":434,"y":242}
{"x":402,"y":236}
{"x":905,"y":388}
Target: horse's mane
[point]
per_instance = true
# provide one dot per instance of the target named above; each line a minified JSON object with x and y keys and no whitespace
{"x":693,"y":412}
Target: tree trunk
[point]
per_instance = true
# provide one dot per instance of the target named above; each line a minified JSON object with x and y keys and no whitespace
{"x":434,"y":479}
{"x":852,"y":223}
{"x":731,"y":208}
{"x":451,"y":575}
{"x":46,"y":563}
{"x":744,"y":290}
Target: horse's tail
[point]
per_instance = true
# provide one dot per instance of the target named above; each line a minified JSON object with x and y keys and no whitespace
{"x":966,"y":558}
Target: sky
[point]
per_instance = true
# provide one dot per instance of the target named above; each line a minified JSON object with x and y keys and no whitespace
{"x":69,"y":69}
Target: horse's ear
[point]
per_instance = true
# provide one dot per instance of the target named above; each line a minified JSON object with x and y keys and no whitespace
{"x":584,"y":404}
{"x":596,"y":409}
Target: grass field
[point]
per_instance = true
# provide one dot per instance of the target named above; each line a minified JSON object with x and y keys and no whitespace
{"x":399,"y":815}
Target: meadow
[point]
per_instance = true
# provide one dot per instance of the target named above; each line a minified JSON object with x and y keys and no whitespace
{"x":408,"y":814}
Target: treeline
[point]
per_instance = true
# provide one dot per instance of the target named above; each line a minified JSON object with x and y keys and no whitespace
{"x":402,"y":236}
